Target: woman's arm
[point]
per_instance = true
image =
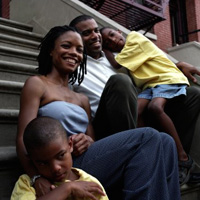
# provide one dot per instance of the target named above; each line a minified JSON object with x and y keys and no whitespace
{"x":86,"y":106}
{"x":29,"y":104}
{"x":82,"y":141}
{"x":31,"y":95}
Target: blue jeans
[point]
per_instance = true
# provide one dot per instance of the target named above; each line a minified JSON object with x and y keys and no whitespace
{"x":167,"y":91}
{"x":136,"y":164}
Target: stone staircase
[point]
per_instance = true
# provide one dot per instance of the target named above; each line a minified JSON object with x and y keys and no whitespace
{"x":18,"y":52}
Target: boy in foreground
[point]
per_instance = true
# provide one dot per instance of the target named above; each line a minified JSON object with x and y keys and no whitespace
{"x":50,"y":151}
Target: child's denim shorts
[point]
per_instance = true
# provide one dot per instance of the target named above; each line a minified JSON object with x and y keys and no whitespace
{"x":165,"y":91}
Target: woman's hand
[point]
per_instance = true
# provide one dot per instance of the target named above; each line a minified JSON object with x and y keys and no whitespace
{"x":81,"y":142}
{"x":188,"y":70}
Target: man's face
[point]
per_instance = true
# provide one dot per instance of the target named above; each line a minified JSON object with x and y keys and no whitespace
{"x":91,"y":37}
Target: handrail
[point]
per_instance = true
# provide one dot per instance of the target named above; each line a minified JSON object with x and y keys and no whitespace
{"x":132,"y":14}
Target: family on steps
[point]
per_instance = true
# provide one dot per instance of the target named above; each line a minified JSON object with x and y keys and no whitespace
{"x":83,"y":131}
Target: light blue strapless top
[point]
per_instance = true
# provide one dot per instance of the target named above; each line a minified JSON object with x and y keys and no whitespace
{"x":73,"y":118}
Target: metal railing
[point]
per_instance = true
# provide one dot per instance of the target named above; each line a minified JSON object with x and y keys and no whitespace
{"x":132,"y":14}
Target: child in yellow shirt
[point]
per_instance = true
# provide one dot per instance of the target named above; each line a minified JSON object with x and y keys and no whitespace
{"x":158,"y":78}
{"x":50,"y":151}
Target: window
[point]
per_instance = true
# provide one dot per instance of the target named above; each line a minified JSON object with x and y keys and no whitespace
{"x":178,"y":21}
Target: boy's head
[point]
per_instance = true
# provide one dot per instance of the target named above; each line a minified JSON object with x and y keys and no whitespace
{"x":49,"y":149}
{"x":113,"y":40}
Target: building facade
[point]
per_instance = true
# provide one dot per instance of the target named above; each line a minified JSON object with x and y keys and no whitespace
{"x":182,"y":23}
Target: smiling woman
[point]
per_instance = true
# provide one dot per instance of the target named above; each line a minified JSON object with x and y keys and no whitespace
{"x":61,"y":60}
{"x":68,"y":48}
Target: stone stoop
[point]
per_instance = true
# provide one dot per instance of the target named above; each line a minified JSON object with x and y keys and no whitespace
{"x":10,"y":170}
{"x":190,"y":192}
{"x":18,"y":61}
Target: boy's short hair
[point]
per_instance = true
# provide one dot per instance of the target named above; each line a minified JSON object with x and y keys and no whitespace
{"x":41,"y":131}
{"x":101,"y":32}
{"x":104,"y":28}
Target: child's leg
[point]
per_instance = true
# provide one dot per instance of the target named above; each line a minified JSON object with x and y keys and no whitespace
{"x":142,"y":104}
{"x":156,"y":107}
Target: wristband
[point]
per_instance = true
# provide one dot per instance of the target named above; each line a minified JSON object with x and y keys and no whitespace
{"x":34,"y":178}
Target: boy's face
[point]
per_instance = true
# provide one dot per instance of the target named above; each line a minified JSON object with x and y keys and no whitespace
{"x":54,"y":161}
{"x":113,"y":40}
{"x":91,"y":37}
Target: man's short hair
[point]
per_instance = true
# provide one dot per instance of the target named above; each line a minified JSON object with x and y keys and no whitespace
{"x":78,"y":19}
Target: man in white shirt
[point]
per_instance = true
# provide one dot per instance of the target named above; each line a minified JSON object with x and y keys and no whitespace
{"x":113,"y":99}
{"x":112,"y":95}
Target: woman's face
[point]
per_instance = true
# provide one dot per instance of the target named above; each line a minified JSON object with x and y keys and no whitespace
{"x":67,"y":53}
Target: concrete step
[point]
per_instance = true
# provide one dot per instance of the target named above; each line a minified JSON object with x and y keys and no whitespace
{"x":10,"y":170}
{"x":12,"y":71}
{"x":8,"y":126}
{"x":10,"y":94}
{"x":16,"y":24}
{"x":18,"y":55}
{"x":20,"y":33}
{"x":190,"y":192}
{"x":20,"y":43}
{"x":8,"y":132}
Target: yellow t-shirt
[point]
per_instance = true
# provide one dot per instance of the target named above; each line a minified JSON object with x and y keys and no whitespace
{"x":148,"y":65}
{"x":24,"y":191}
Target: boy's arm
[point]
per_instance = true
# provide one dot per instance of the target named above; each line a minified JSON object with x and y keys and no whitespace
{"x":111,"y":59}
{"x":188,"y":70}
{"x":77,"y":189}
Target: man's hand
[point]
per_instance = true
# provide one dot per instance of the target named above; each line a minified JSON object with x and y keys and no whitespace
{"x":188,"y":70}
{"x":81,"y":142}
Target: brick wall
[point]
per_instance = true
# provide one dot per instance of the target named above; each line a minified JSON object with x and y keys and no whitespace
{"x":193,"y":18}
{"x":5,"y":9}
{"x":163,"y":29}
{"x":163,"y":32}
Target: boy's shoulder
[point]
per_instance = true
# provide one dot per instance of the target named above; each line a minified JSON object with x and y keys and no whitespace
{"x":135,"y":34}
{"x":23,"y":189}
{"x":84,"y":176}
{"x":24,"y":179}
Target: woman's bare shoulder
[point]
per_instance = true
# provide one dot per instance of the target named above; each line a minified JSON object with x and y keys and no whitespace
{"x":34,"y":79}
{"x":82,"y":97}
{"x":34,"y":83}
